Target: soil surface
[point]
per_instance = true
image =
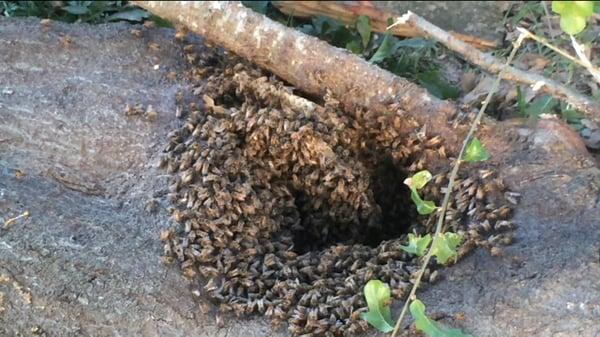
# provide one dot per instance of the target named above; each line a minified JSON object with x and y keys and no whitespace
{"x":86,"y":261}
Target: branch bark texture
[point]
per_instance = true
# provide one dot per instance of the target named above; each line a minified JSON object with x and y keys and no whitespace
{"x":306,"y":62}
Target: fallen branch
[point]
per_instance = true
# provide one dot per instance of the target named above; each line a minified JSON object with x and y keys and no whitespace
{"x":586,"y":105}
{"x":348,"y":12}
{"x":311,"y":65}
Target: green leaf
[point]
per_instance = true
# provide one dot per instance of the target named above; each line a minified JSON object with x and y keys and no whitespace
{"x":378,"y":299}
{"x":475,"y":152}
{"x":521,"y":104}
{"x":385,"y":50}
{"x":577,"y":8}
{"x":572,"y":24}
{"x":363,"y":26}
{"x":415,"y":43}
{"x":559,"y":6}
{"x":417,"y":245}
{"x":437,"y":86}
{"x":571,"y":116}
{"x":430,"y":327}
{"x":160,"y":22}
{"x":76,"y":9}
{"x":444,"y":246}
{"x":424,"y":207}
{"x":573,"y":14}
{"x":354,"y":46}
{"x":418,"y":180}
{"x":257,"y":6}
{"x":135,"y":15}
{"x":541,"y":105}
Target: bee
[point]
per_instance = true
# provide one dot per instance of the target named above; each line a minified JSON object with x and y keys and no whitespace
{"x":153,"y":46}
{"x":151,"y":206}
{"x":149,"y":24}
{"x":66,"y":41}
{"x":496,"y":252}
{"x":512,"y":197}
{"x":136,"y":32}
{"x":181,"y":33}
{"x":151,"y":114}
{"x":188,"y":48}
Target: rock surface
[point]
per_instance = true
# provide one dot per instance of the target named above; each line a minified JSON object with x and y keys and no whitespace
{"x":86,"y":262}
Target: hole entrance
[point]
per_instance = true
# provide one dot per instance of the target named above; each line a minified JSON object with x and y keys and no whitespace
{"x":318,"y":229}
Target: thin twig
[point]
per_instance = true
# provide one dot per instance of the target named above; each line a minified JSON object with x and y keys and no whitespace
{"x":579,"y":49}
{"x":582,"y":60}
{"x":589,"y":107}
{"x":442,"y":212}
{"x":552,"y":32}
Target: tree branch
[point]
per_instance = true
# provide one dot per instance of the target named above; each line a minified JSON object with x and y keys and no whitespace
{"x":586,"y":105}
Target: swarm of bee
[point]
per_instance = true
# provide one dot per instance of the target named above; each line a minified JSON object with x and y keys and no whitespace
{"x":287,"y":210}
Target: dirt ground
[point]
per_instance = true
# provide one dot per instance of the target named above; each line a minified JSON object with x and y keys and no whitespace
{"x":86,"y":262}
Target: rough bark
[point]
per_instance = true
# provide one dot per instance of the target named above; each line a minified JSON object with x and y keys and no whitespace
{"x":311,"y":65}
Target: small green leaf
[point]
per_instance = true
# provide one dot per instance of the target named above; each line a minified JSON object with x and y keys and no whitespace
{"x":76,"y":9}
{"x":444,"y":246}
{"x":521,"y":104}
{"x":417,"y":245}
{"x":354,"y":46}
{"x":559,"y":7}
{"x":430,"y":327}
{"x":160,"y":22}
{"x":437,"y":86}
{"x":385,"y":50}
{"x":541,"y":105}
{"x":572,"y":24}
{"x":363,"y":26}
{"x":418,"y":180}
{"x":424,"y":207}
{"x":571,"y":116}
{"x":573,"y":14}
{"x":476,"y":152}
{"x":378,"y":299}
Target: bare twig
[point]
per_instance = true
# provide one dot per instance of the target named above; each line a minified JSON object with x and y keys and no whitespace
{"x":589,"y":107}
{"x":585,"y":61}
{"x":444,"y":207}
{"x":552,"y":31}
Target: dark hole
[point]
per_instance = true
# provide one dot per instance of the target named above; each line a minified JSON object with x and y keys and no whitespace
{"x":317,"y":230}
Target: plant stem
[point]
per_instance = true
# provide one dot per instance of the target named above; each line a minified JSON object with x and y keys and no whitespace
{"x":442,"y":212}
{"x":582,"y":60}
{"x":548,"y":21}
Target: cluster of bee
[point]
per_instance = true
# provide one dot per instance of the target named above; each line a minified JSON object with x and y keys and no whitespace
{"x":287,"y":209}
